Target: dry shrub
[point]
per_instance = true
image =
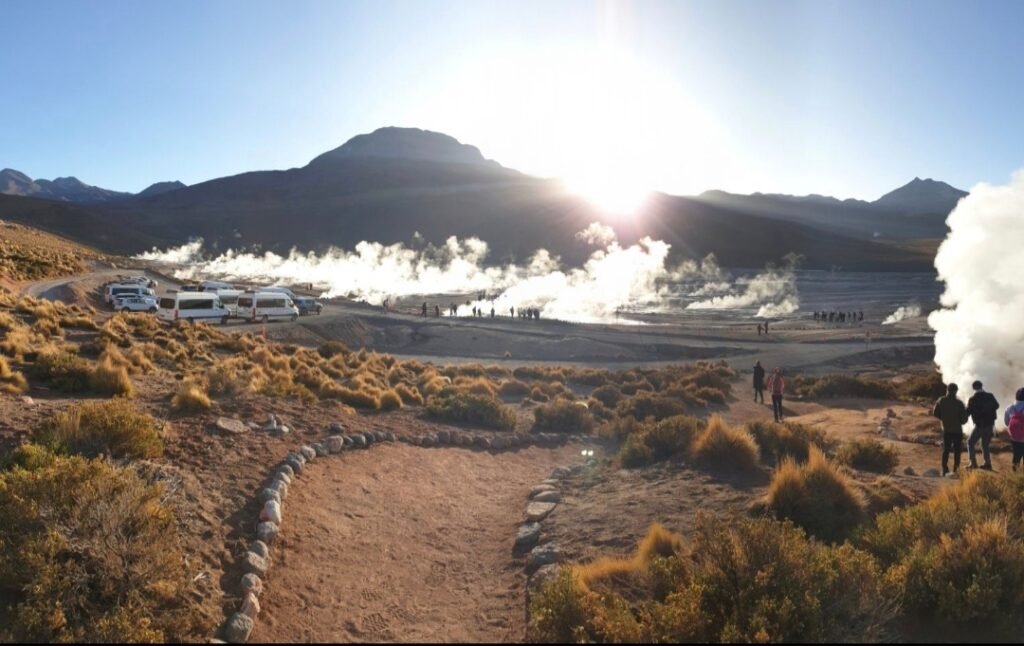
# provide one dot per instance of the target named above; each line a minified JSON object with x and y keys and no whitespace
{"x":11,"y":381}
{"x":235,"y":377}
{"x":786,"y":440}
{"x":22,"y":343}
{"x":79,"y":322}
{"x":29,"y":457}
{"x":92,"y":554}
{"x":609,"y":395}
{"x":139,"y":358}
{"x":63,"y":369}
{"x":115,"y":427}
{"x":476,"y":386}
{"x":563,"y":416}
{"x":110,"y":376}
{"x":408,"y":394}
{"x":332,"y":349}
{"x":721,"y":446}
{"x":390,"y":400}
{"x":869,"y":455}
{"x":47,"y":328}
{"x":433,"y":383}
{"x":362,"y":399}
{"x":748,"y":581}
{"x":8,"y":322}
{"x":647,"y":406}
{"x":190,"y":397}
{"x":513,"y":388}
{"x":958,"y":557}
{"x":474,"y":410}
{"x":841,"y":385}
{"x":620,"y":428}
{"x":929,"y":386}
{"x":817,"y":497}
{"x":588,"y":376}
{"x":537,"y":394}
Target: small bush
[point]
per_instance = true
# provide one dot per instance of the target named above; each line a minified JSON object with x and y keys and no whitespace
{"x":513,"y":388}
{"x":645,"y":406}
{"x":11,"y":381}
{"x":110,"y":378}
{"x":563,"y":416}
{"x":609,"y":395}
{"x":475,"y":410}
{"x":786,"y":440}
{"x":190,"y":397}
{"x":817,"y":497}
{"x":408,"y":394}
{"x":664,"y":440}
{"x":64,"y":370}
{"x":840,"y":385}
{"x":332,"y":349}
{"x":720,"y":446}
{"x":29,"y":457}
{"x":92,"y":555}
{"x":390,"y":400}
{"x":869,"y":455}
{"x":91,"y":429}
{"x":930,"y":387}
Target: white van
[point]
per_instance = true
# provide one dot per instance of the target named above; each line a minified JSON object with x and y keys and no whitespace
{"x":264,"y":306}
{"x":192,"y":307}
{"x":280,"y":290}
{"x":214,"y":286}
{"x":229,"y":297}
{"x":125,"y":289}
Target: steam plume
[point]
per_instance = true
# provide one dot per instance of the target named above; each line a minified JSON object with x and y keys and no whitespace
{"x":903,"y":312}
{"x":978,"y":331}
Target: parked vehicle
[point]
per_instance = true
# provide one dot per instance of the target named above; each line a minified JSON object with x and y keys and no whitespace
{"x":146,"y":281}
{"x":265,"y":306}
{"x":230,"y":299}
{"x":308,"y":305}
{"x":191,"y":288}
{"x":136,"y":304}
{"x":281,"y":290}
{"x":192,"y":307}
{"x":114,"y":290}
{"x":214,"y":286}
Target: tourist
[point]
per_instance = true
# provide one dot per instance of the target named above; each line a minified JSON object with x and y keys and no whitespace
{"x":758,"y":382}
{"x":1014,"y":420}
{"x":953,"y":414}
{"x":983,"y":408}
{"x":777,"y":385}
{"x":758,"y":329}
{"x":492,"y":311}
{"x":425,"y":309}
{"x":437,"y":311}
{"x":766,"y":328}
{"x":512,"y":311}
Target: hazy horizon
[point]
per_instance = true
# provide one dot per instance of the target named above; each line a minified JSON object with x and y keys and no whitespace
{"x":834,"y":98}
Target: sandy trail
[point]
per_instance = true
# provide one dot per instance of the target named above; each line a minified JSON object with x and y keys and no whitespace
{"x":404,"y":544}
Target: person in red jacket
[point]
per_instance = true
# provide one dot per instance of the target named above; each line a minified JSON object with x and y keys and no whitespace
{"x":777,"y":387}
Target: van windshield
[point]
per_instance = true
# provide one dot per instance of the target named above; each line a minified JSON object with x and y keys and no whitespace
{"x":167,"y":303}
{"x":245,"y":301}
{"x":228,"y":300}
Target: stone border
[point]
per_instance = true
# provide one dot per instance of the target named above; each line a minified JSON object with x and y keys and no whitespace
{"x":257,"y":560}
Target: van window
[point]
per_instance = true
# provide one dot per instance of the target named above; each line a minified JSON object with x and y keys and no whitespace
{"x":167,"y":303}
{"x":197,"y":304}
{"x":228,"y":300}
{"x":245,"y":301}
{"x":272,"y":302}
{"x":125,"y":290}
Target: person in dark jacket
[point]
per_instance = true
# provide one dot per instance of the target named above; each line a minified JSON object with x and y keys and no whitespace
{"x":983,"y":408}
{"x":758,"y":382}
{"x":953,"y":414}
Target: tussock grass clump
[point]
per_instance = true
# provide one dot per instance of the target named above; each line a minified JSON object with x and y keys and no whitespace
{"x":332,"y":349}
{"x":563,"y":416}
{"x":21,"y":342}
{"x":817,"y":497}
{"x":234,"y":377}
{"x":390,"y":400}
{"x":92,"y":554}
{"x":647,"y":406}
{"x":840,"y":385}
{"x":110,"y":377}
{"x":655,"y":442}
{"x":513,"y":388}
{"x":609,"y":395}
{"x":408,"y":394}
{"x":190,"y":397}
{"x":474,"y":410}
{"x":958,"y":557}
{"x":30,"y":457}
{"x":362,"y":399}
{"x":786,"y":440}
{"x":11,"y":381}
{"x":720,"y":446}
{"x":752,"y":581}
{"x":929,"y":386}
{"x":869,"y":455}
{"x":115,"y":427}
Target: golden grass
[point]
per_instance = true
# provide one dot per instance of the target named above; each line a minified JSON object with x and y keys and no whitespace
{"x":721,"y":446}
{"x":11,"y":381}
{"x":817,"y":497}
{"x":190,"y":397}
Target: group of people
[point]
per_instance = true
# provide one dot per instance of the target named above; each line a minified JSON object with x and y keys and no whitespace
{"x":478,"y":312}
{"x":776,"y":384}
{"x":839,"y":317}
{"x":982,"y":409}
{"x":528,"y":313}
{"x":762,"y":327}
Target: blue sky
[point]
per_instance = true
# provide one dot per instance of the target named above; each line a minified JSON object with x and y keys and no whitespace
{"x":844,"y":98}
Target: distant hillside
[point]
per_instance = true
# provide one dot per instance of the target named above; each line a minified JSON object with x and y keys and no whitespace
{"x":70,"y":189}
{"x":389,"y":185}
{"x":921,"y":197}
{"x":158,"y":188}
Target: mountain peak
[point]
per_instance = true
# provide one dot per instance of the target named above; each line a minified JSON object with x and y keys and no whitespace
{"x":161,"y":187}
{"x":921,"y":197}
{"x":407,"y":143}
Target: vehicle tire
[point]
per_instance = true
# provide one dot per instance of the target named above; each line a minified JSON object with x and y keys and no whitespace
{"x":191,"y":322}
{"x":295,"y":317}
{"x":318,"y":310}
{"x":224,"y":320}
{"x":152,"y":310}
{"x":126,"y":310}
{"x":266,"y":319}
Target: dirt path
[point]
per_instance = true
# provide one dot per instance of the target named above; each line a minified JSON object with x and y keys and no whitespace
{"x":404,"y":544}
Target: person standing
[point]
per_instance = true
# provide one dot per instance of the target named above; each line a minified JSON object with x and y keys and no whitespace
{"x":983,"y":408}
{"x":758,"y":382}
{"x":424,"y":308}
{"x":777,"y":386}
{"x":953,"y":414}
{"x":1013,"y":417}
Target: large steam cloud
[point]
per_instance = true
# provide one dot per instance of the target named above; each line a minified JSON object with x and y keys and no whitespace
{"x":902,"y":313}
{"x":773,"y":292}
{"x":978,"y":331}
{"x":614,"y":279}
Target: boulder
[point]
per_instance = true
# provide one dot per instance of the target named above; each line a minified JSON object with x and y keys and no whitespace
{"x":909,"y":471}
{"x":379,"y":436}
{"x":252,"y":583}
{"x":253,"y":563}
{"x":537,"y":511}
{"x":335,"y":444}
{"x":260,"y":548}
{"x":549,"y":481}
{"x":321,"y":449}
{"x":270,"y":424}
{"x":232,"y":426}
{"x":428,"y":440}
{"x":268,"y":494}
{"x":359,"y":441}
{"x":540,"y":488}
{"x":337,"y":428}
{"x":287,"y":470}
{"x":389,"y":436}
{"x":253,"y":426}
{"x":281,"y":430}
{"x":541,"y":555}
{"x":308,"y":452}
{"x":347,"y":439}
{"x":267,"y":532}
{"x":280,"y":486}
{"x":250,"y":605}
{"x":271,"y":512}
{"x":444,"y":437}
{"x":238,"y":629}
{"x":295,"y":462}
{"x":548,"y":496}
{"x":526,"y":537}
{"x":559,"y":473}
{"x":416,"y":440}
{"x":500,"y":443}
